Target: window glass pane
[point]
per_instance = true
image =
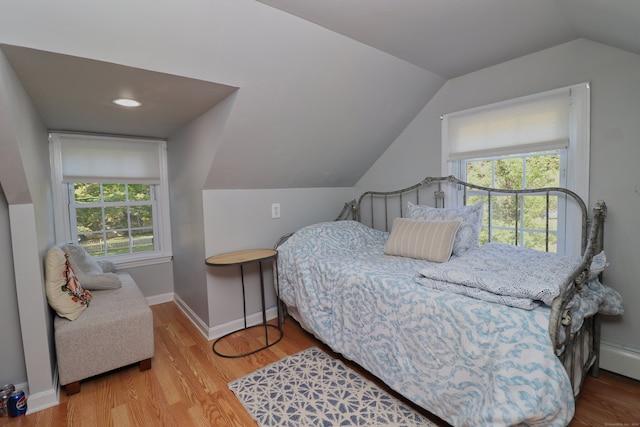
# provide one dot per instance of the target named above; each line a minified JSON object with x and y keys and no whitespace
{"x":142,"y":240}
{"x":529,"y":214}
{"x":115,"y":218}
{"x":84,"y":192}
{"x":115,"y":192}
{"x":139,"y":192}
{"x":480,"y":172}
{"x":503,"y":235}
{"x":89,"y":219}
{"x":121,"y":223}
{"x":536,"y":212}
{"x":93,"y":243}
{"x":503,"y":211}
{"x":141,"y":216}
{"x":484,"y":235}
{"x":508,"y":173}
{"x":537,"y":239}
{"x":117,"y":242}
{"x":503,"y":218}
{"x":543,"y":171}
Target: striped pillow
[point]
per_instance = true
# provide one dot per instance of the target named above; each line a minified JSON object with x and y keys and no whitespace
{"x":422,"y":239}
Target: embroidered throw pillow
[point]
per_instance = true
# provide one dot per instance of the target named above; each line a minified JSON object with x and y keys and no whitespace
{"x":468,"y":235}
{"x":428,"y":240}
{"x":64,"y":293}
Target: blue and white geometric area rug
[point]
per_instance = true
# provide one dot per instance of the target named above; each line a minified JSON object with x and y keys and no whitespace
{"x":311,"y":388}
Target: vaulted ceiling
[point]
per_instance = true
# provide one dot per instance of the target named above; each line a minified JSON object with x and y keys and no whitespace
{"x":447,"y":37}
{"x":324,"y":86}
{"x":77,"y":94}
{"x":456,"y":37}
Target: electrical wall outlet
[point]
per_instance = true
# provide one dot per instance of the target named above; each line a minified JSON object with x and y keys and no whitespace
{"x":275,"y":210}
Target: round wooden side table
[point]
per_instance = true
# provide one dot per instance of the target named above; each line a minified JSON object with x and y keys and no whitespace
{"x":243,"y":258}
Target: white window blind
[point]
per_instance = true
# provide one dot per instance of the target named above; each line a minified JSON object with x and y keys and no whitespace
{"x":523,"y":125}
{"x":88,"y":158}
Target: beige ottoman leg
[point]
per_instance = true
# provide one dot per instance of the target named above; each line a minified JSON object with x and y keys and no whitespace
{"x":72,"y":388}
{"x":145,"y":365}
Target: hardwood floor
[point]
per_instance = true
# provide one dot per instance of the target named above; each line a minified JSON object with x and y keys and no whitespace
{"x":187,"y":386}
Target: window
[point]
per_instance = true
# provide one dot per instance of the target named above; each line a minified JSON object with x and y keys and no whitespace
{"x":113,"y":219}
{"x":523,"y":222}
{"x":110,"y":196}
{"x":541,"y":140}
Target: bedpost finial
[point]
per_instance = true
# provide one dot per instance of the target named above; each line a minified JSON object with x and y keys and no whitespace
{"x":602,"y":207}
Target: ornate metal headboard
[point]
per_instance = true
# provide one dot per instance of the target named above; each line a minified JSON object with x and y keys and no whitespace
{"x":378,"y":209}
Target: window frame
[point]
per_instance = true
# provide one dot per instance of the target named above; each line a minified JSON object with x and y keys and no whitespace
{"x":576,"y":175}
{"x":62,"y":197}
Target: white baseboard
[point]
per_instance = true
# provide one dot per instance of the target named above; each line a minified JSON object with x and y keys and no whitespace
{"x":234,"y":325}
{"x":211,"y":334}
{"x":44,"y":399}
{"x":193,"y":317}
{"x":621,"y":360}
{"x":160,"y":299}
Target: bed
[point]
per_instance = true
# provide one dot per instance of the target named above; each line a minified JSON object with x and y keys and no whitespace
{"x":487,"y":334}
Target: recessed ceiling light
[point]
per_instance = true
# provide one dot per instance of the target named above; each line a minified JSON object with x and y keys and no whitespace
{"x":124,"y":102}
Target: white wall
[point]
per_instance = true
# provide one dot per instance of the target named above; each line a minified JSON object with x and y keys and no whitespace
{"x":615,"y":109}
{"x":306,"y":94}
{"x":31,"y":225}
{"x":155,"y":281}
{"x":241,"y":219}
{"x":207,"y":222}
{"x":12,"y":368}
{"x":316,"y":108}
{"x":191,"y":152}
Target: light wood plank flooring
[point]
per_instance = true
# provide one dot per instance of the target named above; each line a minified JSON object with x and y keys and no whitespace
{"x":187,"y":386}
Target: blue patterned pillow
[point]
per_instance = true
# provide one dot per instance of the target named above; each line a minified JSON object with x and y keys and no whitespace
{"x":468,"y":235}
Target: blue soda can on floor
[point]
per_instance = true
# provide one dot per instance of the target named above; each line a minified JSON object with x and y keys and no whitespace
{"x":17,"y":404}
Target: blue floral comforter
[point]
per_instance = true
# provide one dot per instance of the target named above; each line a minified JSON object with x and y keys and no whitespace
{"x":470,"y":362}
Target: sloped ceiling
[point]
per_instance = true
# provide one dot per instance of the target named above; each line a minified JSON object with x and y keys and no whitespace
{"x":76,"y":94}
{"x":456,"y":37}
{"x":324,"y":86}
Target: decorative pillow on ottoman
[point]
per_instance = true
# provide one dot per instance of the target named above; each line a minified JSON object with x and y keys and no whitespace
{"x":64,"y":293}
{"x":88,"y":270}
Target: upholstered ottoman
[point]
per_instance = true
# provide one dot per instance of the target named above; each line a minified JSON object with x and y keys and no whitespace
{"x":115,"y":330}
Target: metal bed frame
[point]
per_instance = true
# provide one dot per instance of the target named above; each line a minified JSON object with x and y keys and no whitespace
{"x":579,"y":351}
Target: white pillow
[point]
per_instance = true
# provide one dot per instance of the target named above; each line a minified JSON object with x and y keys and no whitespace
{"x":106,"y":266}
{"x":80,"y":258}
{"x":468,"y":235}
{"x":428,"y":240}
{"x":88,"y":270}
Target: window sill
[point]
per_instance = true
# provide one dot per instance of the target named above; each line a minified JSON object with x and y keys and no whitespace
{"x":131,"y":262}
